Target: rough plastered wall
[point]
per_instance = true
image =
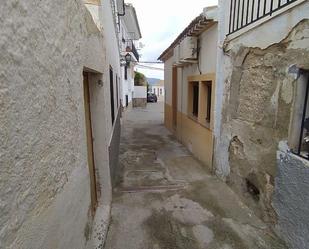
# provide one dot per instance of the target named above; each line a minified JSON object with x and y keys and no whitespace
{"x":256,"y":114}
{"x":44,"y":178}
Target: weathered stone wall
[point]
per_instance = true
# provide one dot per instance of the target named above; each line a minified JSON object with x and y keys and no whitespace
{"x":256,"y":114}
{"x":139,"y":102}
{"x":44,"y":178}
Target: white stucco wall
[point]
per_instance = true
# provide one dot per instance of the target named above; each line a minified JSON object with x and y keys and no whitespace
{"x":140,"y":92}
{"x":207,"y":65}
{"x":127,"y":85}
{"x":222,"y":67}
{"x":44,"y":177}
{"x":158,"y":90}
{"x":209,"y":40}
{"x":112,"y":50}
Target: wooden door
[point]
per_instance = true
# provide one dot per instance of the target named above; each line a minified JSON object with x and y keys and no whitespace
{"x":91,"y":165}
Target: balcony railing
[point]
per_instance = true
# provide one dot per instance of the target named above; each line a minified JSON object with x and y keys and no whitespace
{"x":131,"y":48}
{"x":134,"y":51}
{"x":246,"y":12}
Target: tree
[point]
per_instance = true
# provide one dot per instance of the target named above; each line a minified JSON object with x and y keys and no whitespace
{"x":140,"y":79}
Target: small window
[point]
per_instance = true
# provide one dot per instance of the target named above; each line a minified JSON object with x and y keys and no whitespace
{"x":127,"y":100}
{"x":208,"y":100}
{"x":200,"y":91}
{"x":195,"y":99}
{"x":125,"y":72}
{"x":299,"y":135}
{"x":205,"y":100}
{"x":111,"y":80}
{"x":117,"y":91}
{"x":160,"y":91}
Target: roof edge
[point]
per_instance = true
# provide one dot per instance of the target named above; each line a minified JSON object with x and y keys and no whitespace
{"x":208,"y":16}
{"x":129,"y":5}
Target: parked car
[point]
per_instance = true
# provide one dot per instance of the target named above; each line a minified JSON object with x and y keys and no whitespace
{"x":151,"y":97}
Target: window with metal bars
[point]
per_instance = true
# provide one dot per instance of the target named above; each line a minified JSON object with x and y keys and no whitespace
{"x":208,"y":108}
{"x":302,"y":147}
{"x":195,"y":99}
{"x":117,"y":91}
{"x":111,"y":81}
{"x":125,"y":72}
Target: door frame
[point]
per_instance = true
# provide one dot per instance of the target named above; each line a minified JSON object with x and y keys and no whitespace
{"x":89,"y":135}
{"x":174,"y":98}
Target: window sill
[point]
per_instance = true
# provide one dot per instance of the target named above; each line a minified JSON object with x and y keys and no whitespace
{"x":205,"y":125}
{"x":192,"y":117}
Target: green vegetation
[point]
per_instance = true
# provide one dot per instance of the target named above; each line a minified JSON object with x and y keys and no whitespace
{"x":140,"y":79}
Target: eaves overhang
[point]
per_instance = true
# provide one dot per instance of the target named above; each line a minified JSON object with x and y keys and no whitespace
{"x":199,"y":25}
{"x":131,"y":21}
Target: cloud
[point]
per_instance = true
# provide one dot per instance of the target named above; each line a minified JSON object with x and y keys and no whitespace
{"x":161,"y":21}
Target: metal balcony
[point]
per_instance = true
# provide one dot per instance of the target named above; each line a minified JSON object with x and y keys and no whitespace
{"x":246,"y":12}
{"x":131,"y":48}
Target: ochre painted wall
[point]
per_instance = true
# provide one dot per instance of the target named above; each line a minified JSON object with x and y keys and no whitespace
{"x":168,"y":115}
{"x":197,"y":138}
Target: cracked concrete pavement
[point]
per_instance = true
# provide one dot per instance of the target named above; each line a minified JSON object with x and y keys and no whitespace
{"x":165,"y":199}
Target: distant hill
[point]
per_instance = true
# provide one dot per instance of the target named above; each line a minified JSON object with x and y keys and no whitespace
{"x":152,"y":81}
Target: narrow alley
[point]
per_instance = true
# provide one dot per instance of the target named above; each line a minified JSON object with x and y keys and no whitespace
{"x":166,"y":199}
{"x":133,"y":124}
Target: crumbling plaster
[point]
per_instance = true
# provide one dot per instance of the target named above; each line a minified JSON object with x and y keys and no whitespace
{"x":44,"y":179}
{"x":256,"y":111}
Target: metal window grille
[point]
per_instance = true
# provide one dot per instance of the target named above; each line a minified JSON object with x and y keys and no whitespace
{"x":125,"y":72}
{"x":111,"y":81}
{"x":302,"y":149}
{"x":245,"y":12}
{"x":131,"y":48}
{"x":195,"y":99}
{"x":208,"y":110}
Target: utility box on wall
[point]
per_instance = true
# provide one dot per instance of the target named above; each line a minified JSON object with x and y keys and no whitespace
{"x":188,"y":48}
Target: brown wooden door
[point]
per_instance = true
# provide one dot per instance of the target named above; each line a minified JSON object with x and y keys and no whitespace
{"x":174,"y":97}
{"x":90,"y":143}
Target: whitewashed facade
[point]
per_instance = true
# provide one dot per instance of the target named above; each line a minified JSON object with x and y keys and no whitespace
{"x":59,"y":122}
{"x":158,"y":89}
{"x":128,"y":42}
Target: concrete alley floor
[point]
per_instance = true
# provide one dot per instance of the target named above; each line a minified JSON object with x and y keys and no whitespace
{"x":166,"y":199}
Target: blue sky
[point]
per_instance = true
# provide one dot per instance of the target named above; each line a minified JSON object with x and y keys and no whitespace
{"x":161,"y":21}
